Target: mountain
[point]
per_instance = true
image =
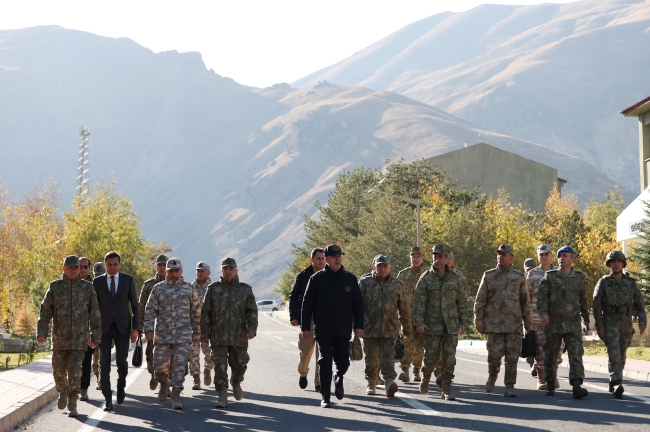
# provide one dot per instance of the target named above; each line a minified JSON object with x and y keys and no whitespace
{"x":553,"y":74}
{"x":214,"y":167}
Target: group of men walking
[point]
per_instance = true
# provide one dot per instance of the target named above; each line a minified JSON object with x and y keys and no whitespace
{"x":428,"y":307}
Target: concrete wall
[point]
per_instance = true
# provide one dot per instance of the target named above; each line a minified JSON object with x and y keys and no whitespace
{"x":527,"y":181}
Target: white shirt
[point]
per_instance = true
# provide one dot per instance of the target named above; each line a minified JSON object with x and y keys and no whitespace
{"x":117,"y":281}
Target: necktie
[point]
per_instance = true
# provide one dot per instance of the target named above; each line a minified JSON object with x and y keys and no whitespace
{"x":113,"y":290}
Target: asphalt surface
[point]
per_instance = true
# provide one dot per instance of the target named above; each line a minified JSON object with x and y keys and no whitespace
{"x":273,"y":401}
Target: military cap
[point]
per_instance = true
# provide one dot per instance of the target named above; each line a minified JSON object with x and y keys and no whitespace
{"x":381,"y":259}
{"x":174,"y":263}
{"x":161,"y":259}
{"x":333,"y":250}
{"x":543,"y":248}
{"x":71,"y":261}
{"x":202,"y":265}
{"x":416,"y":249}
{"x":229,"y":262}
{"x":505,"y":248}
{"x":616,"y":255}
{"x":568,"y":249}
{"x":99,"y":268}
{"x":440,"y":249}
{"x":530,"y":263}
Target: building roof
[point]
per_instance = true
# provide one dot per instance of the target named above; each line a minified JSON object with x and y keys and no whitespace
{"x":638,"y":108}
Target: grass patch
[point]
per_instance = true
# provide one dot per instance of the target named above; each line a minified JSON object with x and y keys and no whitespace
{"x":636,"y":353}
{"x":13,"y":360}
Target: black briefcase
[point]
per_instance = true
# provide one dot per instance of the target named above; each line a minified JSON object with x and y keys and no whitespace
{"x":136,"y":360}
{"x":528,"y":346}
{"x":399,"y":349}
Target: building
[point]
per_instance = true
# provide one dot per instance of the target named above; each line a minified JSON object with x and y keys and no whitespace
{"x":527,"y":181}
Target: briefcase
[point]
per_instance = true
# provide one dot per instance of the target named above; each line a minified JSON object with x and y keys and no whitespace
{"x":399,"y":349}
{"x":528,"y":345}
{"x":136,"y":360}
{"x":356,"y":351}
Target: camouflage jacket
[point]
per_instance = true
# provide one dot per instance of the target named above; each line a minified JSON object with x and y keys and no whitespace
{"x":463,"y":280}
{"x":200,"y":289}
{"x":229,"y":312}
{"x":502,"y":302}
{"x":144,"y":296}
{"x":382,"y":302}
{"x":440,"y":302}
{"x":618,"y":298}
{"x":172,"y":312}
{"x":563,"y":298}
{"x":72,"y":304}
{"x":409,"y":277}
{"x":533,"y":278}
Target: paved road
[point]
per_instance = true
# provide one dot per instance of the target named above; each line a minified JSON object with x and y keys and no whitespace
{"x":273,"y":401}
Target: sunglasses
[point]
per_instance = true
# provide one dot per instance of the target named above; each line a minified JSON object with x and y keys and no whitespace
{"x":85,"y":266}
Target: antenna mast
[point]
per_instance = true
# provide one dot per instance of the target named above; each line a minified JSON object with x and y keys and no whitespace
{"x":82,"y":176}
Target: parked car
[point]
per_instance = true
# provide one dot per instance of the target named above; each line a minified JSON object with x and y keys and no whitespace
{"x":269,"y":305}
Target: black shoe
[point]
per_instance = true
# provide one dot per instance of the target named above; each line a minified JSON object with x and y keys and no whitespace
{"x":108,"y":406}
{"x":618,"y":392}
{"x":611,"y":388}
{"x":550,"y":391}
{"x":533,"y":371}
{"x":579,"y":392}
{"x":325,"y":403}
{"x":317,"y":388}
{"x":338,"y":387}
{"x":302,"y":382}
{"x":120,"y":395}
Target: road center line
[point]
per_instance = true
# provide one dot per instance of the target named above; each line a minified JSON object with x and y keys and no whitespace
{"x":414,"y":403}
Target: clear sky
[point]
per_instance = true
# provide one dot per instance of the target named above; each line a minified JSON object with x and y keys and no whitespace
{"x":255,"y":42}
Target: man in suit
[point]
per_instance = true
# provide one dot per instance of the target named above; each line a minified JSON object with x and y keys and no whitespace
{"x":115,"y":294}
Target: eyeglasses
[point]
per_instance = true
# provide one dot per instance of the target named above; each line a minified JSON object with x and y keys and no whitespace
{"x":85,"y":266}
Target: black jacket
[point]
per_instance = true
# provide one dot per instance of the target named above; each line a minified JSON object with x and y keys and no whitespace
{"x":334,"y":300}
{"x":297,"y":293}
{"x":118,"y":309}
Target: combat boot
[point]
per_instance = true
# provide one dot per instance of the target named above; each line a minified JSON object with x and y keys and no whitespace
{"x":176,"y":399}
{"x":72,"y":406}
{"x":416,"y":374}
{"x":84,"y":395}
{"x":404,"y":376}
{"x":424,"y":385}
{"x":371,"y":388}
{"x":439,"y":381}
{"x":391,"y":388}
{"x":164,"y":391}
{"x":207,"y":379}
{"x":446,"y":390}
{"x":534,"y":371}
{"x":153,"y":383}
{"x":197,"y":382}
{"x":617,"y":389}
{"x":489,"y":385}
{"x":541,"y":384}
{"x":510,"y":391}
{"x":578,"y":392}
{"x":237,"y":391}
{"x":63,"y":400}
{"x":550,"y":389}
{"x":223,"y":398}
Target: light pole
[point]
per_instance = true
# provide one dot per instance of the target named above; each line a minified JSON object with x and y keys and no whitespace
{"x":414,"y":201}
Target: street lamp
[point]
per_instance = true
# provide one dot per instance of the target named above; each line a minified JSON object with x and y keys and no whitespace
{"x":414,"y":201}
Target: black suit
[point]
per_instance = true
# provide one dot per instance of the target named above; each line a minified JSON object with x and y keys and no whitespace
{"x":117,"y":322}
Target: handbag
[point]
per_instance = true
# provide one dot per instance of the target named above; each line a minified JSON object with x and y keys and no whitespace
{"x":528,"y":346}
{"x":399,"y":349}
{"x":136,"y":360}
{"x":356,"y":351}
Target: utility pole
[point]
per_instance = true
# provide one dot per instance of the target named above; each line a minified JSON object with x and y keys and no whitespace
{"x":84,"y":144}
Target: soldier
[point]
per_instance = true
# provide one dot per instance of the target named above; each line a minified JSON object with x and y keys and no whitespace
{"x":382,"y":300}
{"x":161,"y":262}
{"x":533,"y":279}
{"x":98,"y":269}
{"x":561,"y":299}
{"x":529,"y":264}
{"x":502,"y":303}
{"x":228,"y":322}
{"x":413,"y":346}
{"x":616,"y":299}
{"x":440,"y":313}
{"x":174,"y":329}
{"x":72,"y":303}
{"x":306,"y":346}
{"x":200,"y":285}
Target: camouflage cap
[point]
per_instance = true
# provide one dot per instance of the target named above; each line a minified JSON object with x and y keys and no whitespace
{"x":71,"y":261}
{"x":161,"y":259}
{"x":440,"y":249}
{"x":381,"y":259}
{"x":568,"y":249}
{"x":202,"y":265}
{"x":174,"y":263}
{"x":416,"y":249}
{"x":229,"y":262}
{"x":530,"y":263}
{"x":333,"y":250}
{"x":99,"y":268}
{"x":505,"y":248}
{"x":616,"y":255}
{"x":543,"y":248}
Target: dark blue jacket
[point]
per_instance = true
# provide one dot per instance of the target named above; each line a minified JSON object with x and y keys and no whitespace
{"x":335,"y":302}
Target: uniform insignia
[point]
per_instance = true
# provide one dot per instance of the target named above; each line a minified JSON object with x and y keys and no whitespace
{"x":348,"y":289}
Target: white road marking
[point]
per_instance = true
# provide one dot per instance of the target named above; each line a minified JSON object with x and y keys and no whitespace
{"x":294,"y":343}
{"x":278,"y":337}
{"x":414,"y":403}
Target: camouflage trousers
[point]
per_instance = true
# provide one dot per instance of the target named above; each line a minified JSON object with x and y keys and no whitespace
{"x":170,"y":361}
{"x":573,"y":343}
{"x":379,"y":352}
{"x":148,"y":354}
{"x":195,"y":357}
{"x":96,"y":362}
{"x":540,"y":337}
{"x":66,"y":368}
{"x":413,"y":350}
{"x":506,"y":345}
{"x":235,"y":356}
{"x":437,"y":346}
{"x":618,"y":337}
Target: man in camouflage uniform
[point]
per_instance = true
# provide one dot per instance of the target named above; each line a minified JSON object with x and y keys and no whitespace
{"x":72,"y":304}
{"x":200,"y":285}
{"x":502,"y":303}
{"x":561,"y":299}
{"x":383,"y":300}
{"x":533,"y":278}
{"x":440,"y":313}
{"x":172,"y":318}
{"x":616,"y":299}
{"x":413,"y":346}
{"x":228,"y":322}
{"x":161,"y":262}
{"x":529,"y":264}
